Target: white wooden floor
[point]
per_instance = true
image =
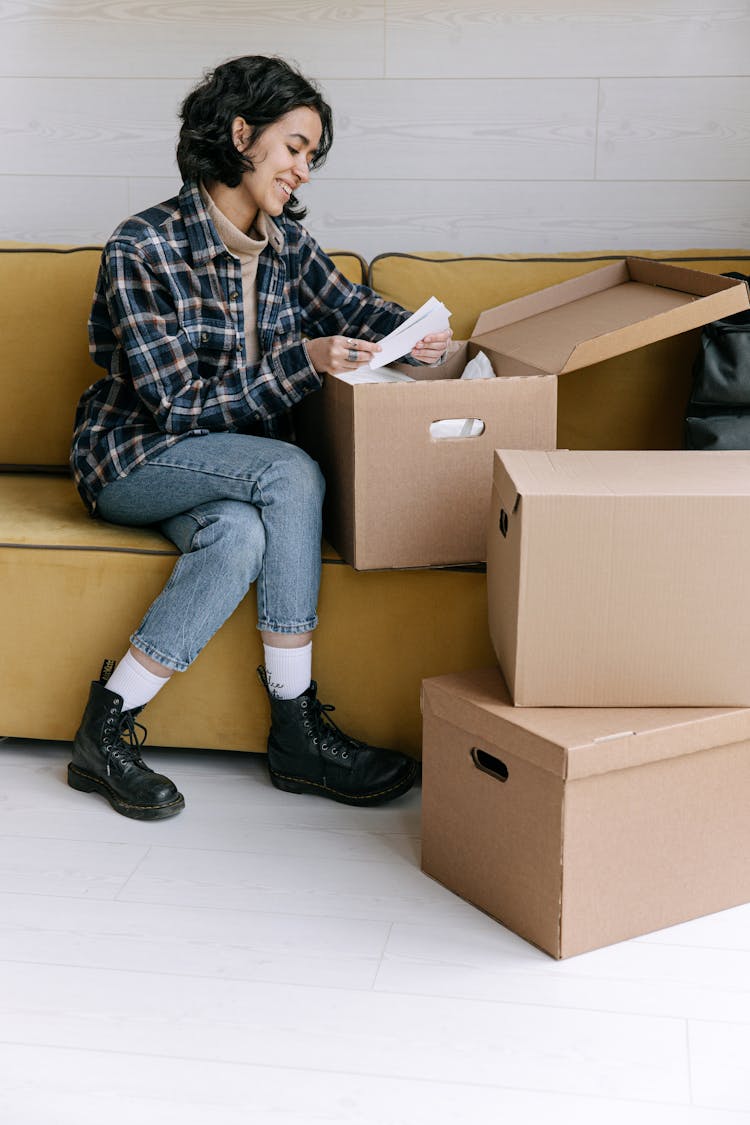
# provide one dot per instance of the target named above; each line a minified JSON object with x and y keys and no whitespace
{"x":279,"y":959}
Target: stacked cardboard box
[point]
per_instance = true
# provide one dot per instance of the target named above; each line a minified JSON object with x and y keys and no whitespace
{"x":605,"y":794}
{"x":579,"y":827}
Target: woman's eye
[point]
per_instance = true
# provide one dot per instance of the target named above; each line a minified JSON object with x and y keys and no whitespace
{"x":294,"y":151}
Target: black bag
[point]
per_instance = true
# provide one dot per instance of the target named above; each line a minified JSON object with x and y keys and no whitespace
{"x":718,"y":413}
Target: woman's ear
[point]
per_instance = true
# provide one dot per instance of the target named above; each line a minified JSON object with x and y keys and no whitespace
{"x":241,"y":134}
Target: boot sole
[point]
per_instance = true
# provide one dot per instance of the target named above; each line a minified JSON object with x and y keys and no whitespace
{"x":303,"y":785}
{"x":85,"y":783}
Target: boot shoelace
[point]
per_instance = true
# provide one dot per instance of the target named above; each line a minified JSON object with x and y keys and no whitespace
{"x":321,"y":723}
{"x":125,"y":745}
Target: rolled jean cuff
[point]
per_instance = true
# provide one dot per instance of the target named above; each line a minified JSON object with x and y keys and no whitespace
{"x":161,"y":658}
{"x":307,"y":626}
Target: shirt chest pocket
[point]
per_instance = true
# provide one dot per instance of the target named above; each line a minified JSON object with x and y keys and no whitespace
{"x":213,"y":341}
{"x":287,"y":323}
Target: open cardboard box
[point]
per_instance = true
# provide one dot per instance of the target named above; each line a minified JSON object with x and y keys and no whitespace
{"x":399,"y":497}
{"x":580,"y":827}
{"x":618,"y":578}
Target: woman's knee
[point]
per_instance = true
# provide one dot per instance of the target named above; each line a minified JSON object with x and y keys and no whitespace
{"x":229,"y":530}
{"x":299,"y":473}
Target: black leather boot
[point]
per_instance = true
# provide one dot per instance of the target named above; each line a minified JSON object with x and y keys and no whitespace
{"x":106,"y":760}
{"x":308,"y":753}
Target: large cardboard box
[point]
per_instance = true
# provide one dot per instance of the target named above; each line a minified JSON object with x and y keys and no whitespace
{"x":399,"y":497}
{"x":620,"y":578}
{"x":577,"y":828}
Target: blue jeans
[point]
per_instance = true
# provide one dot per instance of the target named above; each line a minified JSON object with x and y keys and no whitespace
{"x":241,"y":509}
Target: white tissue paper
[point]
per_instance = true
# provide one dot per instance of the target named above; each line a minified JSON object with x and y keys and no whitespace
{"x":457,"y":427}
{"x":478,"y":368}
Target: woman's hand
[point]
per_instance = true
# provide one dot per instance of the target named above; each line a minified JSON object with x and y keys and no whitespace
{"x":338,"y":354}
{"x":433,"y":347}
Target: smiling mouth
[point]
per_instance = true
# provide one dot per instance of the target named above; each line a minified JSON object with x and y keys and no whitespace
{"x":285,"y":188}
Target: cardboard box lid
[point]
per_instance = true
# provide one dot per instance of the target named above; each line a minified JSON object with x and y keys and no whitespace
{"x":605,"y":313}
{"x":578,"y":742}
{"x":521,"y":473}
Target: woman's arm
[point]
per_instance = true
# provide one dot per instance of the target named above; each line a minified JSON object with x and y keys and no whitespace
{"x":182,"y":388}
{"x":333,"y":306}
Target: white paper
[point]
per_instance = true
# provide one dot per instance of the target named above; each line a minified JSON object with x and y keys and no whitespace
{"x":367,"y":375}
{"x":433,"y":316}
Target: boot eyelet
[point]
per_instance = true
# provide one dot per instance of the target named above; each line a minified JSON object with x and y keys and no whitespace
{"x":315,"y":742}
{"x":334,"y":752}
{"x":344,"y":753}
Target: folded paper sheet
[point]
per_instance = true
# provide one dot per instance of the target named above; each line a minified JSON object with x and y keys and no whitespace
{"x":433,"y":316}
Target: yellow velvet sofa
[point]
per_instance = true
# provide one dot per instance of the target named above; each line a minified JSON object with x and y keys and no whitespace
{"x":72,"y":588}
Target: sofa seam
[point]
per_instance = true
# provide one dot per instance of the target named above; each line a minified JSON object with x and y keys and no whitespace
{"x":507,"y":260}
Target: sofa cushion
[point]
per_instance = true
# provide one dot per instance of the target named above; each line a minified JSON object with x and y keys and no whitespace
{"x":45,"y":299}
{"x":72,"y":589}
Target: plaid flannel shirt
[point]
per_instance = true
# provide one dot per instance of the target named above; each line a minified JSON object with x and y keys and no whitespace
{"x":167,"y":326}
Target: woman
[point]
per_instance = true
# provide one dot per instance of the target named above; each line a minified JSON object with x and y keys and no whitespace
{"x":214,"y":313}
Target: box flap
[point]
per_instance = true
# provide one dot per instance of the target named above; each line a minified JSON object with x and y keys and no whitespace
{"x":577,"y":742}
{"x":605,"y":313}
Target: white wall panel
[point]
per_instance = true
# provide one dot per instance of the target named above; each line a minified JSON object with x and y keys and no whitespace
{"x":399,"y":129}
{"x":58,"y":126}
{"x":472,"y":126}
{"x":163,"y":38}
{"x":515,"y":38}
{"x":673,"y":129}
{"x":143,"y":193}
{"x":61,"y":209}
{"x":532,"y":217}
{"x":503,"y":129}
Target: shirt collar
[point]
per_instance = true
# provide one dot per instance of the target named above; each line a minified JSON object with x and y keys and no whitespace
{"x":201,"y":233}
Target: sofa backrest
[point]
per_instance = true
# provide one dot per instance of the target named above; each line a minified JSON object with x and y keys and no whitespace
{"x":45,"y":299}
{"x":636,"y":401}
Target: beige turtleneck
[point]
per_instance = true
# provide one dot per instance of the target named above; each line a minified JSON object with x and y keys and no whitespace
{"x":246,"y":247}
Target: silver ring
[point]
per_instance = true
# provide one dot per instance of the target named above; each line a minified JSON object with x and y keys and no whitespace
{"x":352,"y":355}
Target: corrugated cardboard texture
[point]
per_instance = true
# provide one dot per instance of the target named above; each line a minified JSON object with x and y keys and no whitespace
{"x":633,"y":588}
{"x":415,"y":501}
{"x":599,"y":833}
{"x":475,"y":837}
{"x":398,"y":497}
{"x":606,"y":313}
{"x":649,"y":847}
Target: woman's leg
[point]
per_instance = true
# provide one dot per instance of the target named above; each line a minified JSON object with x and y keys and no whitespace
{"x":224,"y":505}
{"x":244,"y":509}
{"x":270,"y":534}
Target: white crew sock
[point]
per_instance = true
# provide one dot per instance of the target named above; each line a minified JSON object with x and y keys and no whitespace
{"x":289,"y":670}
{"x":134,"y":683}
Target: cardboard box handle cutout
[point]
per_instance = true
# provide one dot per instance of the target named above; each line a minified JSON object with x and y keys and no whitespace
{"x":456,"y":428}
{"x":488,"y":763}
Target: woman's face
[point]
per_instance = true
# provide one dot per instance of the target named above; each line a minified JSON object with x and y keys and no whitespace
{"x":281,"y":156}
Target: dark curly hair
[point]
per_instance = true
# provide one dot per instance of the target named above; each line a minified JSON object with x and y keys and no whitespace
{"x":259,"y":88}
